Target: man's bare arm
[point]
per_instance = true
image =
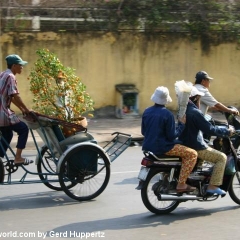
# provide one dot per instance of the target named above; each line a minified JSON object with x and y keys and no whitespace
{"x":16,"y":100}
{"x":220,"y":107}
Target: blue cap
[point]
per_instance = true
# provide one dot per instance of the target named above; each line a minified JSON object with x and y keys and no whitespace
{"x":15,"y":59}
{"x":202,"y":75}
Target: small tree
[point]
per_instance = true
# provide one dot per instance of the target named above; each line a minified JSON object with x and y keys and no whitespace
{"x":57,"y":91}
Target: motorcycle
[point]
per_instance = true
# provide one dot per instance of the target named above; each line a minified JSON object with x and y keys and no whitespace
{"x":159,"y":177}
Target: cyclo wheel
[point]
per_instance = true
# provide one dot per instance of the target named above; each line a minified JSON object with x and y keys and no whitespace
{"x":149,"y":194}
{"x":234,"y":189}
{"x":49,"y":165}
{"x":88,"y":168}
{"x":2,"y":171}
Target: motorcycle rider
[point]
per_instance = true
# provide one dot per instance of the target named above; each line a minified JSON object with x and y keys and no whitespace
{"x":160,"y":133}
{"x":202,"y":83}
{"x":192,"y":137}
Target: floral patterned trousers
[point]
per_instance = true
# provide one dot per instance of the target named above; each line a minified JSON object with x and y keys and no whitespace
{"x":189,"y":159}
{"x":219,"y":159}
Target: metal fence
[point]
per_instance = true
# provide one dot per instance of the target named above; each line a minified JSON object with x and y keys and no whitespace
{"x":95,"y":15}
{"x":52,"y":15}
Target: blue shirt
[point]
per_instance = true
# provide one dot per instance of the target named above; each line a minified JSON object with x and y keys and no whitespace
{"x":159,"y":129}
{"x":196,"y":124}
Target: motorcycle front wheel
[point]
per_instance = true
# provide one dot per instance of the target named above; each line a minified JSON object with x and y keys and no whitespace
{"x":234,"y":189}
{"x":149,"y":194}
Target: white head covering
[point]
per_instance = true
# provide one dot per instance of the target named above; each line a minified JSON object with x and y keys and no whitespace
{"x":161,"y":96}
{"x":195,"y":92}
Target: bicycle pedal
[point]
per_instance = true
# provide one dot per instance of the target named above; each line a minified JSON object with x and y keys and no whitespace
{"x":10,"y":166}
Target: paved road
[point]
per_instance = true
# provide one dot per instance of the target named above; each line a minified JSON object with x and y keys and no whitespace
{"x":118,"y":213}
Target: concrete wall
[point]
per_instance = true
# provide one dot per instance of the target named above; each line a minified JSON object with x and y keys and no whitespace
{"x":103,"y":60}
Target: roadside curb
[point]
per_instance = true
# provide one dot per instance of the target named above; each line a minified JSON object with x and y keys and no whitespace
{"x":103,"y":128}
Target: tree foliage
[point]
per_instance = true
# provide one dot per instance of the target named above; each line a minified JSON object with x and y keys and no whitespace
{"x":57,"y":91}
{"x":212,"y":21}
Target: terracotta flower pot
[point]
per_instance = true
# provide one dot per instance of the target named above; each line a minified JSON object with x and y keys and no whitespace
{"x":69,"y":131}
{"x":83,"y":122}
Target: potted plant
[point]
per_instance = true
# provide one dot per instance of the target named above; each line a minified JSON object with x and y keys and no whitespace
{"x":57,"y":91}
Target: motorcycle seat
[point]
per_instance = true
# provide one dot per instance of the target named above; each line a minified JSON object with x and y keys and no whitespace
{"x":162,"y":157}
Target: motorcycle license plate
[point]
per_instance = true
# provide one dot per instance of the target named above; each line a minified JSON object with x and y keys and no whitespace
{"x":143,"y":173}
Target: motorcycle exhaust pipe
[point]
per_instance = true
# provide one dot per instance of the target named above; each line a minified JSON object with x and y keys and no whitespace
{"x":166,"y":197}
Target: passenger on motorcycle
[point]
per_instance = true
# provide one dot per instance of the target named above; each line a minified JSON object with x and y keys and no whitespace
{"x":160,"y":133}
{"x":192,"y":136}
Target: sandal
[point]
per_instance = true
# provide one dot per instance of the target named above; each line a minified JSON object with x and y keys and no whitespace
{"x":187,"y":189}
{"x":25,"y":162}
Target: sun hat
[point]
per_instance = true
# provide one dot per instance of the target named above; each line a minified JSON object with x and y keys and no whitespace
{"x":202,"y":75}
{"x":195,"y":92}
{"x":161,"y":96}
{"x":15,"y":59}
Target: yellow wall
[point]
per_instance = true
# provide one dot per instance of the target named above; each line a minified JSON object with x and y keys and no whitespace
{"x":103,"y":60}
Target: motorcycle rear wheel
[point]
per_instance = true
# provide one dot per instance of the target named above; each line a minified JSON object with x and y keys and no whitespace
{"x":149,"y":198}
{"x":234,"y":189}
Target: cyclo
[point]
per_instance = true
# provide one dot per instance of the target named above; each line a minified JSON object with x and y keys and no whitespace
{"x":76,"y":165}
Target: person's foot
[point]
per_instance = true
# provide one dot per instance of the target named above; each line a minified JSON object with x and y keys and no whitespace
{"x":215,"y":190}
{"x":22,"y":161}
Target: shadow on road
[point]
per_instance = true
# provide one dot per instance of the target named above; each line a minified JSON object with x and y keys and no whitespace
{"x":36,"y":200}
{"x":133,"y":180}
{"x":142,"y":220}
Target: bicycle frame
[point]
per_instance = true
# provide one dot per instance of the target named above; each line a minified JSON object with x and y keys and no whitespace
{"x":75,"y":164}
{"x":44,"y":127}
{"x":59,"y":148}
{"x":26,"y":171}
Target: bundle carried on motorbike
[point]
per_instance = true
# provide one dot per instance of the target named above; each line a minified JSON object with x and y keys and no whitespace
{"x":183,"y":91}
